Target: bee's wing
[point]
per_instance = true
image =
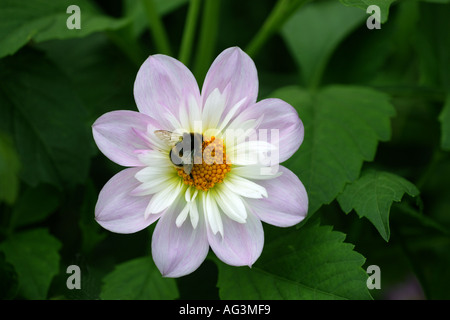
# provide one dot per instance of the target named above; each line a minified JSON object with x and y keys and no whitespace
{"x":188,"y":162}
{"x":168,"y":137}
{"x":188,"y":168}
{"x":164,"y":135}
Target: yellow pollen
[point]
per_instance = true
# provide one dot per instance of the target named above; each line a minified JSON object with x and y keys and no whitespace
{"x":213,"y":168}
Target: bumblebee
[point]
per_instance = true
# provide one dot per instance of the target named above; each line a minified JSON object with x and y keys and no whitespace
{"x":185,"y":148}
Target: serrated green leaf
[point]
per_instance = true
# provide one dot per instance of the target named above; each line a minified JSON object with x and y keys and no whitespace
{"x":9,"y":170}
{"x":34,"y":255}
{"x":384,"y":6}
{"x":41,"y":20}
{"x":372,"y":195}
{"x":138,"y":279}
{"x":312,"y":262}
{"x":343,"y":125}
{"x":315,"y":31}
{"x":50,"y":130}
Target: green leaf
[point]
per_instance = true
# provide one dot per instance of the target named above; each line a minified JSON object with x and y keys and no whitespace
{"x":343,"y":125}
{"x":312,"y":262}
{"x":9,"y":283}
{"x":431,"y":263}
{"x":364,"y":4}
{"x":433,"y":45}
{"x":35,"y":205}
{"x":41,"y":20}
{"x":444,"y":118}
{"x":9,"y":170}
{"x":138,"y":279}
{"x":34,"y":255}
{"x":102,"y":77}
{"x":91,"y":232}
{"x":50,"y":129}
{"x":327,"y":23}
{"x":372,"y":195}
{"x":437,"y":1}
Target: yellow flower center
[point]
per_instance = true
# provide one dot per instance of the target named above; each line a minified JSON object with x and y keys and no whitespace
{"x":212,"y":169}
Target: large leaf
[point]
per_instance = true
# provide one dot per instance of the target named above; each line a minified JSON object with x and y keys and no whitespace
{"x":343,"y":125}
{"x":40,"y":20}
{"x":433,"y":45}
{"x":50,"y":129}
{"x":372,"y":195}
{"x":9,"y":170}
{"x":384,"y":6}
{"x":100,"y":74}
{"x":312,"y":262}
{"x":433,"y":48}
{"x":138,"y":279}
{"x":432,"y":262}
{"x":35,"y":205}
{"x":34,"y":255}
{"x":91,"y":232}
{"x":445,"y":124}
{"x":9,"y":283}
{"x":315,"y":31}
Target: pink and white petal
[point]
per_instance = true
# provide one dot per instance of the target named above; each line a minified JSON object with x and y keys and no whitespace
{"x":163,"y":85}
{"x":167,"y":196}
{"x":283,"y":119}
{"x":178,"y":251}
{"x":119,"y":134}
{"x":234,"y":73}
{"x":244,"y":187}
{"x":116,"y":210}
{"x":257,"y":172}
{"x":241,"y":244}
{"x":287,"y":201}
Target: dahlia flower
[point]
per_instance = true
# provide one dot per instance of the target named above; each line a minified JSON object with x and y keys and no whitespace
{"x":234,"y":180}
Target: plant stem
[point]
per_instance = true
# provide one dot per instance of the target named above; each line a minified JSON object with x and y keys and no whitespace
{"x":208,"y":36}
{"x":189,"y":31}
{"x":157,"y":28}
{"x":279,"y":15}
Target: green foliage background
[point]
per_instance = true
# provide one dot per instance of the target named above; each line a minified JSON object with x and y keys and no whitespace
{"x":375,"y":159}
